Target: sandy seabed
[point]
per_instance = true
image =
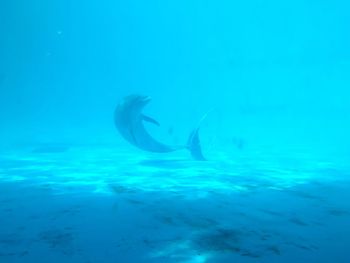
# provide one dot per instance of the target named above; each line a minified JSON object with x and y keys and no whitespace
{"x":109,"y":205}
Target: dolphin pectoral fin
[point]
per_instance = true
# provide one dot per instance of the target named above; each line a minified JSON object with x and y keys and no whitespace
{"x":149,"y":119}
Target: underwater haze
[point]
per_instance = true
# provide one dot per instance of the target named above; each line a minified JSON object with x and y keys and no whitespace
{"x":266,"y":85}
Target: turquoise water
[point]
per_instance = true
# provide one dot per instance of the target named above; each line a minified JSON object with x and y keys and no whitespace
{"x":272,"y":75}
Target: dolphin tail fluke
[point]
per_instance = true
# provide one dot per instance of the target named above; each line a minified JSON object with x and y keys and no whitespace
{"x":193,"y":142}
{"x":194,"y":146}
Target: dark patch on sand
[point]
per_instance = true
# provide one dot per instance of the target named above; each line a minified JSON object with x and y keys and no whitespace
{"x":338,"y":212}
{"x":61,"y":240}
{"x":119,"y":189}
{"x":298,"y":221}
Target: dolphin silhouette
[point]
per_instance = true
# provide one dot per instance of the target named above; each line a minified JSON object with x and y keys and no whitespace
{"x":128,"y":119}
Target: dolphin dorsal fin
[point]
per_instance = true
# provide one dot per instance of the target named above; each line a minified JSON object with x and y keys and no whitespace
{"x":149,"y":119}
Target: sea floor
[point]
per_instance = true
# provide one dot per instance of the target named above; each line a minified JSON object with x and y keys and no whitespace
{"x":97,"y":204}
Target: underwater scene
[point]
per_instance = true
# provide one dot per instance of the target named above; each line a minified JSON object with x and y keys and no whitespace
{"x":174,"y":131}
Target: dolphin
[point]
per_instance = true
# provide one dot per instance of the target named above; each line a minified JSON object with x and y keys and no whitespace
{"x":129,"y":121}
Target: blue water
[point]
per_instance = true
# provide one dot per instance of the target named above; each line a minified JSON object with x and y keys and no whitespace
{"x":274,"y":77}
